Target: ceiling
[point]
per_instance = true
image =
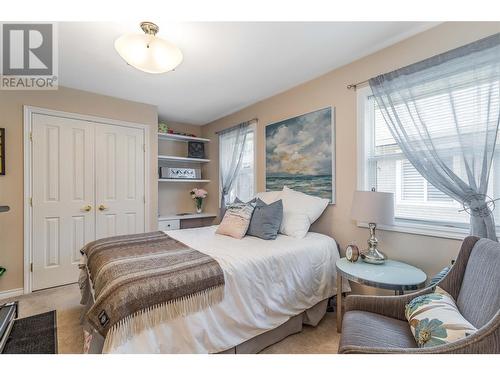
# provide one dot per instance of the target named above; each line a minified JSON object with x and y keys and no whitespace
{"x":226,"y":67}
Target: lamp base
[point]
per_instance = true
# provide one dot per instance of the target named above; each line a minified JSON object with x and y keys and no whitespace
{"x":373,"y":256}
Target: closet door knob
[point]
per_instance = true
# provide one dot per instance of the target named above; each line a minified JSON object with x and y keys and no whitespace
{"x":87,"y":208}
{"x":102,"y":207}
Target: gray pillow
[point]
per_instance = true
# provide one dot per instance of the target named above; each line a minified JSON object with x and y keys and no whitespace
{"x":266,"y":220}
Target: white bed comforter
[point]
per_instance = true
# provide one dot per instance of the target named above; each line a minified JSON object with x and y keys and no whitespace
{"x":267,"y":282}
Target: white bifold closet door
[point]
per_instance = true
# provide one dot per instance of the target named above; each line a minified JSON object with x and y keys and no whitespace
{"x":87,"y":183}
{"x":120,"y":181}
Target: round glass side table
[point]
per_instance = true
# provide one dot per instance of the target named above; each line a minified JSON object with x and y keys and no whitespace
{"x":393,"y":275}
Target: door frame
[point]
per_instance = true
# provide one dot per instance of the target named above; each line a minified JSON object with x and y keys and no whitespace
{"x":28,"y":112}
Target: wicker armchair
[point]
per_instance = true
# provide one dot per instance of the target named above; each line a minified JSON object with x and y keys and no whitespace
{"x":376,"y":324}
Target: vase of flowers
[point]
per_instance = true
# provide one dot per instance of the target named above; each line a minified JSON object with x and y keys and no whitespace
{"x":198,"y":195}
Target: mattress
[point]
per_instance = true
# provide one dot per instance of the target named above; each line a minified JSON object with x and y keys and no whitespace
{"x":266,"y":283}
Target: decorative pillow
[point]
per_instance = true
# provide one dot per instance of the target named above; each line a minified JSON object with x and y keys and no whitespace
{"x":435,"y":320}
{"x":436,"y":279}
{"x":295,"y":224}
{"x":266,"y":220}
{"x":295,"y":206}
{"x":239,"y":201}
{"x":269,"y":197}
{"x":236,"y":219}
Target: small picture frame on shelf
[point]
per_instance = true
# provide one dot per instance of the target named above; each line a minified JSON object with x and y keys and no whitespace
{"x":196,"y":150}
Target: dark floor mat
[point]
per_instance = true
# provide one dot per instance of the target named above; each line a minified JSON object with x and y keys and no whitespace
{"x":33,"y":335}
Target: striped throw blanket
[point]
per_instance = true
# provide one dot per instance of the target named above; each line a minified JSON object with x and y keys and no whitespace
{"x":144,"y":279}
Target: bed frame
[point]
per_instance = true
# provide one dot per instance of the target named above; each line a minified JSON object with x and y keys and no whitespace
{"x":311,"y":316}
{"x":294,"y":325}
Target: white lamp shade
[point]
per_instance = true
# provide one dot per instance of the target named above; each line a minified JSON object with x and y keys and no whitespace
{"x":373,"y":207}
{"x":148,"y":53}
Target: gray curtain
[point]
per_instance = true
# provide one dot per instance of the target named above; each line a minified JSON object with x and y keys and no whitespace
{"x":444,"y":115}
{"x":232,"y":144}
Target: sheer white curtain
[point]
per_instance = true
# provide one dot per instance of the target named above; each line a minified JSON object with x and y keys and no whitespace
{"x":231,"y":148}
{"x":442,"y":106}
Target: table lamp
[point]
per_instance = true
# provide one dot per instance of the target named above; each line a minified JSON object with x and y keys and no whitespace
{"x":374,"y":208}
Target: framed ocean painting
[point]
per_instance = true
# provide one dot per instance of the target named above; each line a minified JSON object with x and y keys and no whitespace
{"x":300,"y":154}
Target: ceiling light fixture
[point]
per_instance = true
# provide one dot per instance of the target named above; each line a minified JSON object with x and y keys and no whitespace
{"x":147,"y":52}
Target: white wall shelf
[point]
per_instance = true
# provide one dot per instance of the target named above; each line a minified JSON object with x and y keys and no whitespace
{"x":180,"y":180}
{"x":181,"y":138}
{"x":173,"y":221}
{"x":182,"y":159}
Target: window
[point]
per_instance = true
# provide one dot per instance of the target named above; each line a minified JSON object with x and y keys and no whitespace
{"x":384,"y":167}
{"x":244,"y":184}
{"x":411,"y":187}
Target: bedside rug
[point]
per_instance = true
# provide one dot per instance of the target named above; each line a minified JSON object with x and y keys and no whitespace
{"x":33,"y":335}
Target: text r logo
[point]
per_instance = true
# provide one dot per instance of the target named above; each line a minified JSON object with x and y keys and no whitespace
{"x":27,"y":49}
{"x":29,"y":56}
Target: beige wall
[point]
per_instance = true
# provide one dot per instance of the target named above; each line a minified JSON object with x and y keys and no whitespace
{"x":11,"y":185}
{"x":429,"y":253}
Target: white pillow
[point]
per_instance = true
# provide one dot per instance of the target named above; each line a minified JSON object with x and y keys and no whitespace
{"x":297,"y":202}
{"x":295,"y":225}
{"x":269,"y":197}
{"x":299,"y":212}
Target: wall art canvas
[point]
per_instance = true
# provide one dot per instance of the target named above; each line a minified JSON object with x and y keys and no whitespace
{"x":300,"y":154}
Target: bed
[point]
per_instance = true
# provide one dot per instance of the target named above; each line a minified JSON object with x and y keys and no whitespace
{"x":271,"y":289}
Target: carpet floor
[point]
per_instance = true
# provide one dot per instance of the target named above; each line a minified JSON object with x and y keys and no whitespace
{"x":322,"y":339}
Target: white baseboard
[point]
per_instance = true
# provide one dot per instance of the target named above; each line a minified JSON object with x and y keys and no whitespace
{"x":11,"y":293}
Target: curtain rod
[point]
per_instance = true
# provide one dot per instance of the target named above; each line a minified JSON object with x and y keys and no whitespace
{"x":354,"y":86}
{"x":223,"y":130}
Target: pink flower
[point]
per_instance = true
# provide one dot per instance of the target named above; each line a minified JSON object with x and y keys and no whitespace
{"x":198,"y":193}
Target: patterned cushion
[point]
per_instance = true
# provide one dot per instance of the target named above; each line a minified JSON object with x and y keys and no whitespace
{"x":436,"y":279}
{"x":236,"y":220}
{"x":435,"y":320}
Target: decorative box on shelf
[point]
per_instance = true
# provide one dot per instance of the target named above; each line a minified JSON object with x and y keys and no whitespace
{"x":180,"y":173}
